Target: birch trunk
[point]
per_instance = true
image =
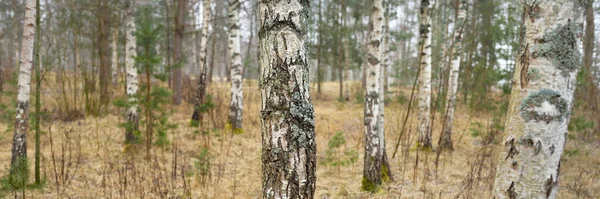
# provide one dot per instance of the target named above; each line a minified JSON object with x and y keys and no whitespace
{"x":424,"y":123}
{"x":287,"y":120}
{"x":376,"y":167}
{"x":202,"y":79}
{"x":236,"y":106}
{"x":456,"y":50}
{"x":541,"y":100}
{"x":132,"y":76}
{"x":114,"y":56}
{"x":19,"y":148}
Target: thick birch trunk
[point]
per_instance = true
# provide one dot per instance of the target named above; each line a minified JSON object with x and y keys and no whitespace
{"x":236,"y":106}
{"x":202,"y":79}
{"x":376,"y":167}
{"x":287,"y":120}
{"x":541,"y":100}
{"x":19,"y":149}
{"x":424,"y":124}
{"x":132,"y":76}
{"x":114,"y":56}
{"x":446,"y":137}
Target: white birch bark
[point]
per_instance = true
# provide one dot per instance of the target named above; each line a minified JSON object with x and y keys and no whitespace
{"x":287,"y":120}
{"x":376,"y":168}
{"x":236,"y":105}
{"x":541,"y":100}
{"x":19,"y":148}
{"x":132,"y":76}
{"x":424,"y":97}
{"x":446,"y":137}
{"x":200,"y":92}
{"x":114,"y":55}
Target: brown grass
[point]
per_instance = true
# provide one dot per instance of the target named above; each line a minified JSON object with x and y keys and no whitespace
{"x":105,"y":171}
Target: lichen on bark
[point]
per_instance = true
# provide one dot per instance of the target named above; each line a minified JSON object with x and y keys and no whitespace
{"x":544,"y":105}
{"x":287,"y":115}
{"x":558,"y":45}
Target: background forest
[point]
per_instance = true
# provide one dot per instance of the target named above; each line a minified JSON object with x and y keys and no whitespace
{"x":143,"y":98}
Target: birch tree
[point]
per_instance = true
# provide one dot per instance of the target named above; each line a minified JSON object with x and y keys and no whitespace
{"x":424,"y":97}
{"x":132,"y":76}
{"x":456,"y":50}
{"x":114,"y":56}
{"x":19,"y":148}
{"x":376,"y":166}
{"x":541,"y":100}
{"x":287,"y":115}
{"x":237,"y":100}
{"x":201,"y":90}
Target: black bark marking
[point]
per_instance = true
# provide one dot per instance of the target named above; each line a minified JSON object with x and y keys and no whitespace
{"x":512,"y":194}
{"x":512,"y":150}
{"x":524,"y":60}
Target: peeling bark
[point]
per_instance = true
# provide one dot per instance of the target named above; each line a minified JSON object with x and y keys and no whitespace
{"x":287,"y":115}
{"x":236,"y":105}
{"x":539,"y":110}
{"x":132,"y":76}
{"x":19,"y":148}
{"x":424,"y":97}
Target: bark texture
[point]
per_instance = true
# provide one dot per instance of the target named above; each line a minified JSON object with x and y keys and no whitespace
{"x":236,"y":105}
{"x":202,"y":79}
{"x":456,"y":50}
{"x":541,"y":100}
{"x":132,"y":76}
{"x":19,"y":148}
{"x":287,"y":115}
{"x":376,"y":167}
{"x":424,"y":97}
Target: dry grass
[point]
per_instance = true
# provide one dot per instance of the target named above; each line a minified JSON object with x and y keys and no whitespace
{"x":103,"y":170}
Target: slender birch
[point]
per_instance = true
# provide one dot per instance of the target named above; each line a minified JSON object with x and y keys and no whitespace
{"x":424,"y":97}
{"x":114,"y":56}
{"x":541,"y":100}
{"x":132,"y":76}
{"x":236,"y":106}
{"x":456,"y":50}
{"x":19,"y":148}
{"x":202,"y":81}
{"x":287,"y":115}
{"x":376,"y":167}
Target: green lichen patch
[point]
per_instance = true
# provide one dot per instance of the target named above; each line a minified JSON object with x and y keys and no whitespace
{"x":560,"y":45}
{"x":531,"y":105}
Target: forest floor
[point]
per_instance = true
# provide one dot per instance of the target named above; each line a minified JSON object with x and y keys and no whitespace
{"x":86,"y":159}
